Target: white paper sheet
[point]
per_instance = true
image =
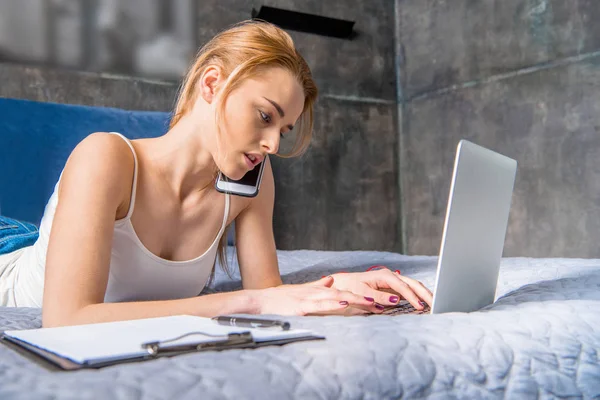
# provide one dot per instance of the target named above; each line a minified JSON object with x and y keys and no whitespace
{"x":123,"y":339}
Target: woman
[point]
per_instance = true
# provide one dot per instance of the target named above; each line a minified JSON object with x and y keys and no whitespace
{"x":133,"y":228}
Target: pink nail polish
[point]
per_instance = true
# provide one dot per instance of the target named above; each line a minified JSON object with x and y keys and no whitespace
{"x":344,"y":303}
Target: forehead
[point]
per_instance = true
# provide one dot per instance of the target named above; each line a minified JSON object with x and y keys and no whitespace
{"x":280,"y":86}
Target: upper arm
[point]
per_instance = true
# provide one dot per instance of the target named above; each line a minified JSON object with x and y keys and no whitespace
{"x":92,"y":191}
{"x":254,"y":238}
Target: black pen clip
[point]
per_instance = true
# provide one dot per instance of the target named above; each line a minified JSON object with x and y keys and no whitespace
{"x":240,"y":339}
{"x":283,"y":325}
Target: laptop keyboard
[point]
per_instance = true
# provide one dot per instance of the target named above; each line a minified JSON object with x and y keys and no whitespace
{"x":404,"y":307}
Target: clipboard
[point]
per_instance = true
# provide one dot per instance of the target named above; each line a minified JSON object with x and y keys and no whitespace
{"x":54,"y":359}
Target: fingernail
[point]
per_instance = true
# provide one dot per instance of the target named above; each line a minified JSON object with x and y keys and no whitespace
{"x":397,"y":271}
{"x":375,"y":267}
{"x":379,"y":306}
{"x":423,"y":303}
{"x":369,"y":298}
{"x":394,"y":299}
{"x":323,"y":276}
{"x":344,"y":303}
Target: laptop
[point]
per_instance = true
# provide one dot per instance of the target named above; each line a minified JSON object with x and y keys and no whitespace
{"x":474,"y":232}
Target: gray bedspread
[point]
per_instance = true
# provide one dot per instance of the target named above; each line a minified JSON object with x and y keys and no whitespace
{"x":540,"y":339}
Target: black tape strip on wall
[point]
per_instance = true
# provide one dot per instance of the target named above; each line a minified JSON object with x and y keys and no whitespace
{"x":303,"y":22}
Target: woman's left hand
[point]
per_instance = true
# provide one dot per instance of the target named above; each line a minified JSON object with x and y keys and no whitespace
{"x":384,"y":287}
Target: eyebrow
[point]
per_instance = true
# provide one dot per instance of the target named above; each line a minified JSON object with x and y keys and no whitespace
{"x":279,"y":111}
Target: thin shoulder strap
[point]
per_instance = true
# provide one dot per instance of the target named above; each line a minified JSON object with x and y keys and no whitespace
{"x":135,"y":174}
{"x":225,"y":215}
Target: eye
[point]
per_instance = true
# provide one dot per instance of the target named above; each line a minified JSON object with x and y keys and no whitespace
{"x":265,"y":117}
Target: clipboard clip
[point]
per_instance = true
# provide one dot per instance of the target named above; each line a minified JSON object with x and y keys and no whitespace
{"x":231,"y":340}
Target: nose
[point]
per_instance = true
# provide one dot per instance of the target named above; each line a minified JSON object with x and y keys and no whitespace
{"x":270,"y":143}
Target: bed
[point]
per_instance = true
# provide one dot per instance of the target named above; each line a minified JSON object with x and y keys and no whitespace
{"x":540,"y":339}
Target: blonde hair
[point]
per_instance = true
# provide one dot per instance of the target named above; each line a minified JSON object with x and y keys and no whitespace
{"x":243,"y":51}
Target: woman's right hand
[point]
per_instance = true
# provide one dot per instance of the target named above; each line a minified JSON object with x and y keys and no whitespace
{"x":309,"y":298}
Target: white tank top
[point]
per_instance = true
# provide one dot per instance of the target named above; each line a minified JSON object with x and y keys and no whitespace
{"x":136,"y":274}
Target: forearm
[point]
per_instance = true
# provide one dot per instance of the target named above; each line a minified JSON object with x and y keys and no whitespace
{"x":264,"y":282}
{"x":243,"y":301}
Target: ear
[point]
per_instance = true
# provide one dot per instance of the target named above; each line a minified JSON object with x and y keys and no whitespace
{"x":209,"y":81}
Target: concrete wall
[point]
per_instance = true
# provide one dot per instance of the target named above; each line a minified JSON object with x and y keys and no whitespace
{"x":342,"y":195}
{"x":92,"y":89}
{"x":518,"y":76}
{"x":521,"y":77}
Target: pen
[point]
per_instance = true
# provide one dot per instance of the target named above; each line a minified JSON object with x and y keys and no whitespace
{"x":251,"y":322}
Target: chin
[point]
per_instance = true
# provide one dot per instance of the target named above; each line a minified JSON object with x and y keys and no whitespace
{"x":236,"y":176}
{"x":232,"y":172}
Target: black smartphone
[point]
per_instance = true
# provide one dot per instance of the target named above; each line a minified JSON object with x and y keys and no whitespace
{"x":247,"y":186}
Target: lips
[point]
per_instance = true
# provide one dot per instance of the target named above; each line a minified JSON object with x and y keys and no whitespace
{"x":249,"y":162}
{"x":253,"y":159}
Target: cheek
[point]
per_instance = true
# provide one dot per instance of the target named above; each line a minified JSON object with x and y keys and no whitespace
{"x":242,"y":126}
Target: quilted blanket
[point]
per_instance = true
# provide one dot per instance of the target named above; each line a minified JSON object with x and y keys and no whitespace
{"x":540,"y":339}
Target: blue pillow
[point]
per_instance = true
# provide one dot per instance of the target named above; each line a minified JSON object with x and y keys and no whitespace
{"x":37,"y":138}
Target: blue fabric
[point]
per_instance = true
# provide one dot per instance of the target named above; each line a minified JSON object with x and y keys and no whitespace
{"x":16,"y":234}
{"x":36,"y":139}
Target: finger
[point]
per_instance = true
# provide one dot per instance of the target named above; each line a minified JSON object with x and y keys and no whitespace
{"x":403,"y":289}
{"x":325,"y":281}
{"x":329,"y":307}
{"x":361,"y":302}
{"x":417,"y":287}
{"x":374,"y":308}
{"x":354,"y":300}
{"x":350,"y":311}
{"x":347,"y":312}
{"x":324,"y":307}
{"x":376,"y":268}
{"x":425,"y":287}
{"x":418,"y":282}
{"x":382,"y":298}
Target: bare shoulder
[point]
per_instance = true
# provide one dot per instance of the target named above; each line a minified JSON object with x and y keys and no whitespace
{"x":100,"y":162}
{"x":102,"y":150}
{"x":104,"y":145}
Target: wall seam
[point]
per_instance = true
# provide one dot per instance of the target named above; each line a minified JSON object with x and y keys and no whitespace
{"x":401,"y":122}
{"x":371,"y":100}
{"x":547,"y":65}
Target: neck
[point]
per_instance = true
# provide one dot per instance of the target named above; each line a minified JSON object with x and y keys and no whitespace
{"x":182,"y":159}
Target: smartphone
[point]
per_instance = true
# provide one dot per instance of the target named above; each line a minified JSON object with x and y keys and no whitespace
{"x":247,"y":186}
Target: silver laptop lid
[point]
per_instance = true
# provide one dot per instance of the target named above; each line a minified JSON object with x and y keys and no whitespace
{"x":474,"y":230}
